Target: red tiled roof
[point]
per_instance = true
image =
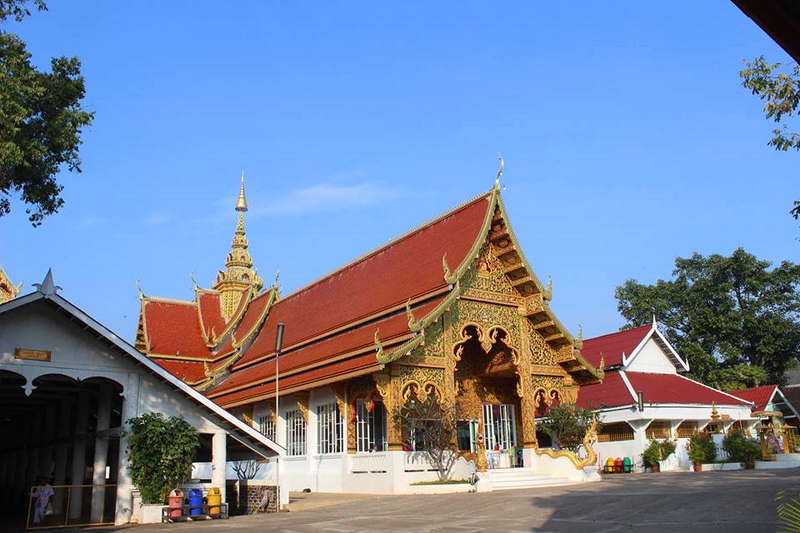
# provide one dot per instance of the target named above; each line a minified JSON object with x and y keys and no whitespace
{"x":760,"y":396}
{"x":252,"y":315}
{"x":612,"y":392}
{"x":351,"y":340}
{"x":188,"y":371}
{"x":672,"y":388}
{"x":208,"y":305}
{"x":613,"y":345}
{"x":404,"y":269}
{"x":173,"y":328}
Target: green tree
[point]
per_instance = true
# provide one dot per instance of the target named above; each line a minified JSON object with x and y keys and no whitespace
{"x":779,"y":87}
{"x":160,"y":452}
{"x":734,"y":319}
{"x":567,"y":425}
{"x":41,"y":120}
{"x":431,"y":427}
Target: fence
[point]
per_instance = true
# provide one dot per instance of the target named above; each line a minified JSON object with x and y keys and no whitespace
{"x":73,"y":506}
{"x":368,"y":462}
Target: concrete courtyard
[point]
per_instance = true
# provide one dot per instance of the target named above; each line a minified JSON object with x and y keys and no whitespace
{"x":668,"y":502}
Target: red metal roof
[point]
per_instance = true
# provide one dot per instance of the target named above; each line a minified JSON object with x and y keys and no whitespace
{"x":612,"y":392}
{"x":760,"y":396}
{"x":656,"y":389}
{"x":613,"y":346}
{"x":675,"y":389}
{"x":173,"y":328}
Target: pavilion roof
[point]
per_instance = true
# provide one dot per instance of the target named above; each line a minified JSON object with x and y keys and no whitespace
{"x":621,"y":388}
{"x":760,"y":396}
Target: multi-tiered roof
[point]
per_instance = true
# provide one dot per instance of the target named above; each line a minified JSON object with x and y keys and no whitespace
{"x":351,"y":322}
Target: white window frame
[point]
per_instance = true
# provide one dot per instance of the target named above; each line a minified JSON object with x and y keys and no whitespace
{"x":295,"y":433}
{"x":330,"y":429}
{"x":499,"y":427}
{"x":267,"y":426}
{"x":367,"y":426}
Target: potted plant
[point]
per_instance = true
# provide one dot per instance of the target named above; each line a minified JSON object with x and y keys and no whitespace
{"x":656,"y":452}
{"x":160,"y":452}
{"x":701,"y":450}
{"x":741,"y":448}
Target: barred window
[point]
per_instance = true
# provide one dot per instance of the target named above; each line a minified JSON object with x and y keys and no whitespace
{"x":295,"y":433}
{"x":370,"y":426}
{"x":266,"y":425}
{"x":330,"y":429}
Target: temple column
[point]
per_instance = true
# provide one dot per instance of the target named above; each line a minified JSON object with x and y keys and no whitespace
{"x":62,"y":451}
{"x":101,"y":452}
{"x":219,"y":459}
{"x":130,"y":408}
{"x":387,"y":387}
{"x":79,"y":454}
{"x":34,"y":450}
{"x":48,"y":436}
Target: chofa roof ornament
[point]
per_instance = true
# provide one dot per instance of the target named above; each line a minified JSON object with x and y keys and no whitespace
{"x":47,"y":287}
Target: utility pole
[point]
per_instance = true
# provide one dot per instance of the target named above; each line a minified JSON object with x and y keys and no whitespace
{"x":278,"y":346}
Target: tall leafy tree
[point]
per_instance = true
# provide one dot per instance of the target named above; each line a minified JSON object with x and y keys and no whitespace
{"x":733,"y":318}
{"x":778,"y":86}
{"x":41,"y":119}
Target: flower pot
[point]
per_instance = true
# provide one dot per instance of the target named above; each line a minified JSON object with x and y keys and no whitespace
{"x":698,"y":468}
{"x":655,"y":468}
{"x":749,"y":465}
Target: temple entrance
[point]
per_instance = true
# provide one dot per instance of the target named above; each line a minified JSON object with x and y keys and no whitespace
{"x":500,"y":428}
{"x":66,"y":431}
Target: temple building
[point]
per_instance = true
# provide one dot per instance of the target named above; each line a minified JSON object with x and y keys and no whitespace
{"x":68,"y":385}
{"x":452,"y":308}
{"x":643,"y":396}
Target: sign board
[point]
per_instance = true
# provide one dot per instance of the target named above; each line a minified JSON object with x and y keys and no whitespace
{"x":32,"y":355}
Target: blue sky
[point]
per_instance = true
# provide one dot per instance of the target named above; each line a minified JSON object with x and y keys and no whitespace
{"x":627,"y":137}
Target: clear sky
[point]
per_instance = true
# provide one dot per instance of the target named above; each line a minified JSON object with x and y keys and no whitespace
{"x":627,"y":136}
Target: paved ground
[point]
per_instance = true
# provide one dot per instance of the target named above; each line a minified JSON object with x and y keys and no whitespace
{"x":728,"y":502}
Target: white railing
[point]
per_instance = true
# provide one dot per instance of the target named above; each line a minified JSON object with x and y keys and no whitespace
{"x":368,"y":462}
{"x":417,"y":462}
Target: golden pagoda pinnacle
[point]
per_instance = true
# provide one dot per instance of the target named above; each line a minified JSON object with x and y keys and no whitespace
{"x":241,"y":203}
{"x":239,"y":275}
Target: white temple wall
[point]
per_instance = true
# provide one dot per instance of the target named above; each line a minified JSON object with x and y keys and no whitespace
{"x":651,"y":358}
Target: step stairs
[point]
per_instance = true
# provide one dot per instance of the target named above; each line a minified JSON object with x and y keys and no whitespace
{"x":522,"y":478}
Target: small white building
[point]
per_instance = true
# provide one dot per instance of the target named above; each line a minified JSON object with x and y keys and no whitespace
{"x":68,"y":384}
{"x":643,"y":396}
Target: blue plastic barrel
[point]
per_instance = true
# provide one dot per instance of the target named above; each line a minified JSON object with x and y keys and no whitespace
{"x":195,"y":501}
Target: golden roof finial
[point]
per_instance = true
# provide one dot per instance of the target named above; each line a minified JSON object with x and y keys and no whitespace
{"x":499,"y":172}
{"x":241,"y":203}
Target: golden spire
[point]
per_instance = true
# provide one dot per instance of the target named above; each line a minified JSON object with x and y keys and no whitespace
{"x":241,"y":203}
{"x":239,"y":274}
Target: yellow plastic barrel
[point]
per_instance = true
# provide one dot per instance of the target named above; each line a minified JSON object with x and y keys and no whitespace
{"x":214,"y":500}
{"x":610,"y":465}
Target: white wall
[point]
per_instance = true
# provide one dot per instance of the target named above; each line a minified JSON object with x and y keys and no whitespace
{"x":651,"y":358}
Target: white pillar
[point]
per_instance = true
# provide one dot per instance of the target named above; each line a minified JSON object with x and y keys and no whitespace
{"x":79,"y":454}
{"x":101,"y":453}
{"x":219,"y":458}
{"x":130,"y":409}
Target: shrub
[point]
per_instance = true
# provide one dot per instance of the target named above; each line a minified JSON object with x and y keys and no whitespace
{"x":702,"y":449}
{"x":161,"y":452}
{"x":740,"y":447}
{"x":657,"y":451}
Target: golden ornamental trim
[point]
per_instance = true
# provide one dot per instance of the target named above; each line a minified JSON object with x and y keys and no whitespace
{"x":578,"y":462}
